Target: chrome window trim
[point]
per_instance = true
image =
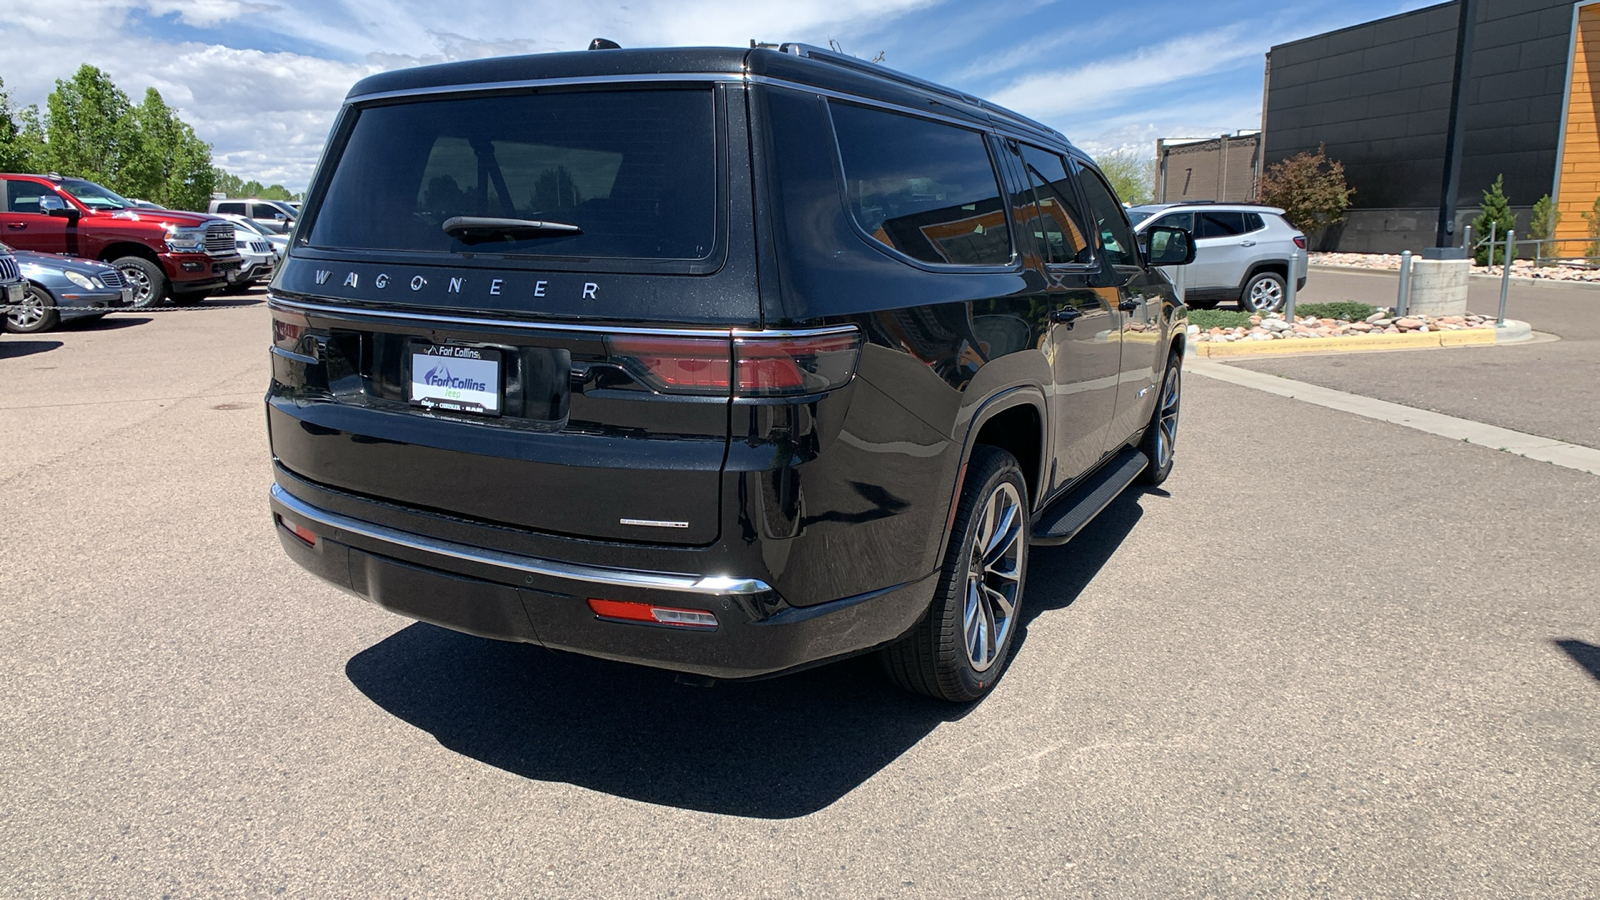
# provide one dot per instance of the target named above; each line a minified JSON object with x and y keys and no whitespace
{"x":276,"y":302}
{"x":710,"y":585}
{"x":489,"y":86}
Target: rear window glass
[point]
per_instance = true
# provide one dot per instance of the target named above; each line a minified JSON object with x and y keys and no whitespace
{"x":635,"y":170}
{"x":925,"y":189}
{"x":1214,"y":224}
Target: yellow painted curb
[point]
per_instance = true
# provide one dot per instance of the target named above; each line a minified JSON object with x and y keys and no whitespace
{"x":1288,"y":346}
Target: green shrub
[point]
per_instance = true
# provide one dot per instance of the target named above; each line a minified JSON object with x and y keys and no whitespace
{"x":1218,"y":318}
{"x":1494,"y":221}
{"x":1346,"y":310}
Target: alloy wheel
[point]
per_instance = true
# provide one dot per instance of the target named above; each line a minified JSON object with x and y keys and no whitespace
{"x":143,"y":290}
{"x":1167,"y":423}
{"x":1266,"y":295}
{"x":994,"y":576}
{"x":27,"y":315}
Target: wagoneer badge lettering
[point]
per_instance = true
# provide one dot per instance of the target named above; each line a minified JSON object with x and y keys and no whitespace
{"x":587,"y":290}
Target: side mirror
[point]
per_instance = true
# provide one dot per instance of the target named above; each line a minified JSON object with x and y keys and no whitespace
{"x":1164,"y":245}
{"x":279,"y":216}
{"x":52,"y":205}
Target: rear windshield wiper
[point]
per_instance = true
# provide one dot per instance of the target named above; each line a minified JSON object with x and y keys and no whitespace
{"x":477,"y":229}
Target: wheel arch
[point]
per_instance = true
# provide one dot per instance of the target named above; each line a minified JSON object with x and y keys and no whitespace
{"x":130,"y":248}
{"x":1015,"y":421}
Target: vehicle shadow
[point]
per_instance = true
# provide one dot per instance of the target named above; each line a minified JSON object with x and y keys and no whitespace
{"x":105,"y":323}
{"x":774,"y":749}
{"x":12,"y":348}
{"x":1057,"y":575}
{"x":1584,"y":654}
{"x":235,"y":300}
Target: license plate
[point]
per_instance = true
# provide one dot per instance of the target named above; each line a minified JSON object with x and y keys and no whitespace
{"x":127,"y":296}
{"x":454,"y":378}
{"x":15,"y":293}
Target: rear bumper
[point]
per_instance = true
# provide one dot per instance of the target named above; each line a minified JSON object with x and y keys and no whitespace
{"x":498,"y":595}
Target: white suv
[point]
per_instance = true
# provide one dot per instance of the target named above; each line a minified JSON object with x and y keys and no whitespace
{"x":1243,"y":252}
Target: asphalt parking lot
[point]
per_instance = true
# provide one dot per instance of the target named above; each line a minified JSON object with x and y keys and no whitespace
{"x":1333,"y":657}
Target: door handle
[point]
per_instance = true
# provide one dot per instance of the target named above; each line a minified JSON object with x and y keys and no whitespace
{"x":1067,"y":315}
{"x":1131,"y":304}
{"x":1247,"y":243}
{"x":16,"y":226}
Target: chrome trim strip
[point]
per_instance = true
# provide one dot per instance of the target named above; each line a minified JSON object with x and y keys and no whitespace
{"x":715,"y":585}
{"x":433,"y":319}
{"x":685,"y":77}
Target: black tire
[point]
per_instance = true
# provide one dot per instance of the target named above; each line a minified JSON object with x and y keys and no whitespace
{"x":149,"y":283}
{"x":1264,"y":292}
{"x":937,"y":658}
{"x":1159,"y":443}
{"x":34,"y":314}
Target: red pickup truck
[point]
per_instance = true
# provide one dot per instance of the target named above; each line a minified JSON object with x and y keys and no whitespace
{"x":163,"y":253}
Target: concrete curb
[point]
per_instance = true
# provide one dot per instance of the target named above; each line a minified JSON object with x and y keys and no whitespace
{"x":1518,"y":280}
{"x":1512,"y":332}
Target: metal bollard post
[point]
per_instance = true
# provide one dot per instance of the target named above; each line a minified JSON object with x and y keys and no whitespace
{"x":1505,"y":275}
{"x":1403,"y":300}
{"x":1466,"y":238}
{"x":1473,"y":253}
{"x":1289,"y":292}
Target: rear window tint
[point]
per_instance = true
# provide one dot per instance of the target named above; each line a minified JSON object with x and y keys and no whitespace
{"x":1214,"y":224}
{"x":636,"y":170}
{"x":1253,"y":222}
{"x":925,"y":189}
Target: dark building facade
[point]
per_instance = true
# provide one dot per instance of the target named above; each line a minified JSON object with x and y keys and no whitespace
{"x":1378,"y":96}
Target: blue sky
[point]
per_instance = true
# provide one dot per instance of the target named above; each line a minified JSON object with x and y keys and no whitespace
{"x":261,"y":79}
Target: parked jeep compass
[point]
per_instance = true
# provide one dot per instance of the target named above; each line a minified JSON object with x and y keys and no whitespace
{"x":727,"y":362}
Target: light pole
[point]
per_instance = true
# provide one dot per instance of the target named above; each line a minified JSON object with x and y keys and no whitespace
{"x":1445,"y":244}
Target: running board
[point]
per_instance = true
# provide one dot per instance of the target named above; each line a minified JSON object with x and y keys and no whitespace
{"x":1062,"y":520}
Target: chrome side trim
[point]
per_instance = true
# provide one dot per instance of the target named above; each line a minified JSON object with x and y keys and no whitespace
{"x":715,"y":585}
{"x":684,"y":77}
{"x":434,"y":319}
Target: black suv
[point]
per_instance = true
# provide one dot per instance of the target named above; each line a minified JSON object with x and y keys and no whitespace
{"x":723,"y":361}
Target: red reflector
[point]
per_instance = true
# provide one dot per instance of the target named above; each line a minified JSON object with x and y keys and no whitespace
{"x":304,"y":534}
{"x":659,"y":615}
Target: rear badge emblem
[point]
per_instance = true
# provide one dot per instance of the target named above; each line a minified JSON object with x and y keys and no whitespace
{"x":654,"y":523}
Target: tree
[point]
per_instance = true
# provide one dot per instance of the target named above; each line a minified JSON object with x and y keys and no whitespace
{"x":1309,"y":188}
{"x":1496,"y":219}
{"x":90,"y":131}
{"x":172,"y":167}
{"x":1129,"y":175}
{"x":1542,"y":225}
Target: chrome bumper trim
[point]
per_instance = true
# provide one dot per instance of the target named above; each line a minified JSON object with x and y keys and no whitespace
{"x":715,"y":585}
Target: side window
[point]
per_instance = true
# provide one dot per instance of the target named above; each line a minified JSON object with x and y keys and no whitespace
{"x":925,"y":189}
{"x":264,"y":211}
{"x":1253,"y":222}
{"x":23,"y":196}
{"x":1116,"y":236}
{"x":1211,"y":224}
{"x":1177,"y":220}
{"x":1062,"y":231}
{"x":231,"y":209}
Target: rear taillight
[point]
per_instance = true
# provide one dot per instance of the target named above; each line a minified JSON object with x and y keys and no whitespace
{"x":287,"y":329}
{"x":1300,"y":241}
{"x":656,"y":615}
{"x":750,"y":365}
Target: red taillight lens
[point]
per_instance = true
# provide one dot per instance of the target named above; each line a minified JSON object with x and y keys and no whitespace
{"x":759,"y":366}
{"x":287,"y":329}
{"x":656,"y":615}
{"x":676,"y":365}
{"x":795,"y":365}
{"x":1300,"y":241}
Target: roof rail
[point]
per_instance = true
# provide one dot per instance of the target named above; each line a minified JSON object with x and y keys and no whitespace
{"x":843,"y":60}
